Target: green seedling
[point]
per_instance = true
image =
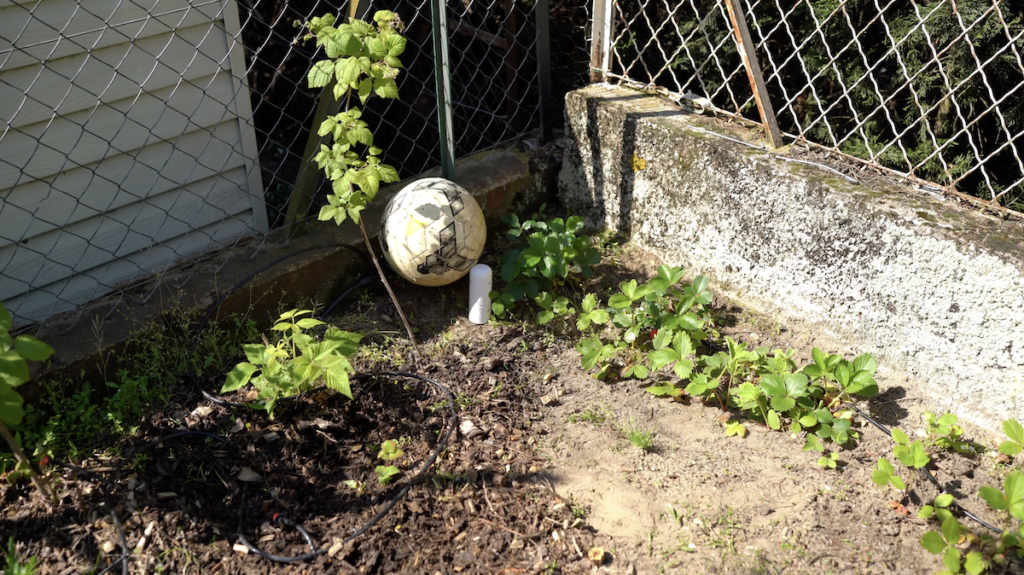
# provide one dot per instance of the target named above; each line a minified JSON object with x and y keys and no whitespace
{"x":736,"y":428}
{"x":910,"y":454}
{"x":944,"y":433}
{"x":296,"y":362}
{"x":885,"y":475}
{"x":389,"y":450}
{"x":385,"y":474}
{"x":358,"y":486}
{"x":842,"y":379}
{"x":1015,"y":432}
{"x":641,"y":438}
{"x":829,"y":460}
{"x":938,"y":509}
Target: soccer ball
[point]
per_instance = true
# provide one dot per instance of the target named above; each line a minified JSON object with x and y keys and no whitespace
{"x":432,"y":232}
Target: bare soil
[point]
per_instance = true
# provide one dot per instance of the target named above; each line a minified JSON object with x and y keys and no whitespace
{"x":538,"y":473}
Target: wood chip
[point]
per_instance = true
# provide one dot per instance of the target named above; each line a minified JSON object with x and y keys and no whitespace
{"x":240,"y":548}
{"x":108,"y":546}
{"x":166,"y":495}
{"x":548,"y":400}
{"x":596,"y":556}
{"x":335,"y":548}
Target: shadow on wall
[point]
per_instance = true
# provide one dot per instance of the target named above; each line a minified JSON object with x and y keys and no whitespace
{"x":630,"y":162}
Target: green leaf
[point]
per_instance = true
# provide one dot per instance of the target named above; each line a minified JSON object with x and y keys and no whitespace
{"x":545,"y":317}
{"x":899,"y":437}
{"x":5,"y":319}
{"x":619,"y":301}
{"x":13,"y":368}
{"x":951,"y":530}
{"x":1010,"y":448}
{"x":11,"y":411}
{"x":389,"y":450}
{"x":951,"y":558}
{"x":665,"y":389}
{"x":944,"y":500}
{"x":898,"y":483}
{"x":933,"y":542}
{"x":1014,"y":430}
{"x":773,"y":419}
{"x":975,"y":563}
{"x":993,"y":497}
{"x":386,"y":473}
{"x":320,"y":74}
{"x":31,"y":348}
{"x":238,"y":377}
{"x":737,"y":429}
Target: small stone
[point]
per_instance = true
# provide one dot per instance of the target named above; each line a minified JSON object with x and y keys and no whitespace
{"x":240,"y":548}
{"x":516,"y":544}
{"x":596,"y":556}
{"x":490,"y":364}
{"x":498,"y":480}
{"x":249,"y":475}
{"x":547,"y":400}
{"x":108,"y":546}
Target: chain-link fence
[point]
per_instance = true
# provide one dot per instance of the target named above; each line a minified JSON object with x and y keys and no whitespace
{"x":932,"y":89}
{"x":141,"y":135}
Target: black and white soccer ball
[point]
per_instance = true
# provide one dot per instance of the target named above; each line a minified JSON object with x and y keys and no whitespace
{"x":432,"y":232}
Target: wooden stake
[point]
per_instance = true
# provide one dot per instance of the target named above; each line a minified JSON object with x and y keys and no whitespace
{"x":764,"y":104}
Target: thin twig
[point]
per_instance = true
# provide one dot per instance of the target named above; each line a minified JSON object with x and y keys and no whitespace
{"x":513,"y":532}
{"x":387,"y":286}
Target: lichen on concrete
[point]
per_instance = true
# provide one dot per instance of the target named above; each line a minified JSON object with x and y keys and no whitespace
{"x":934,"y":290}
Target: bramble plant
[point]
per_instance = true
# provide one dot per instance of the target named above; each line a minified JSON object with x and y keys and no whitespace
{"x":362,"y":58}
{"x":296,"y":363}
{"x":15,"y":353}
{"x":545,"y":254}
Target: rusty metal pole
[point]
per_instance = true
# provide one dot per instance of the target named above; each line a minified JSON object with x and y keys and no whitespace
{"x":746,"y":45}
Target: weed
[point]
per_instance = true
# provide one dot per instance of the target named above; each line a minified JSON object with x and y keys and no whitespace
{"x":944,"y":433}
{"x":386,"y":473}
{"x":13,"y":564}
{"x":639,"y":437}
{"x":589,"y":415}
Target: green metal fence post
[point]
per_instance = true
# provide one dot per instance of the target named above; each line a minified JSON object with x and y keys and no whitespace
{"x":444,"y":88}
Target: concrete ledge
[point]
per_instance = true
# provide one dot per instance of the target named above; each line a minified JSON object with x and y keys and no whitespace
{"x":934,"y":290}
{"x":501,"y":182}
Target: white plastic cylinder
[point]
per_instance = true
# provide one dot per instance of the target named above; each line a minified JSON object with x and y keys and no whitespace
{"x":479,"y":294}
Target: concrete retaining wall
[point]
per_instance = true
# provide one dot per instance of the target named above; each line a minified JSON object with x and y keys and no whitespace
{"x":934,"y":290}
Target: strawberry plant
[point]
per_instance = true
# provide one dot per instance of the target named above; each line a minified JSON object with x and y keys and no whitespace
{"x":910,"y":454}
{"x":944,"y":433}
{"x":656,"y":325}
{"x":296,"y":363}
{"x":544,"y":256}
{"x":885,"y":475}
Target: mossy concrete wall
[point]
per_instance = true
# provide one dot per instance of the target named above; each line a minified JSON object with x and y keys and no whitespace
{"x":934,"y":290}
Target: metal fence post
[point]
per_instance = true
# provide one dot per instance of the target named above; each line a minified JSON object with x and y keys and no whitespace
{"x":601,"y":40}
{"x":544,"y":66}
{"x":444,"y":88}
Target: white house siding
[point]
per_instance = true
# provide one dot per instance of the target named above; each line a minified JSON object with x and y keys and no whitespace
{"x":127,"y":146}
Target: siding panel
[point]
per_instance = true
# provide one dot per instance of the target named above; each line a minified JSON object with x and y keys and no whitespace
{"x":119,"y":158}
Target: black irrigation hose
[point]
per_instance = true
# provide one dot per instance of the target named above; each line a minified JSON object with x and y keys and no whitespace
{"x":924,"y":472}
{"x":441,"y":445}
{"x":123,"y":559}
